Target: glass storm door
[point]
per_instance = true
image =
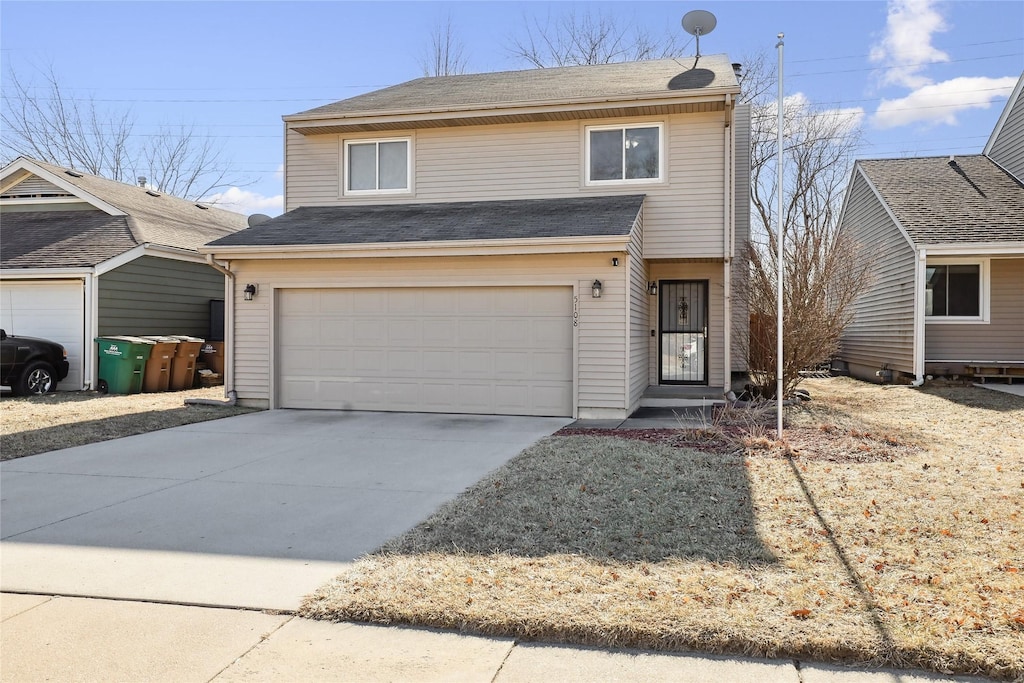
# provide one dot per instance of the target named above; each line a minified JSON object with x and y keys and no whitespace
{"x":683,"y":323}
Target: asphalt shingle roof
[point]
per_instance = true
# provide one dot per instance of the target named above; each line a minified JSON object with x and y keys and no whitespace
{"x":939,"y":203}
{"x":484,"y":220}
{"x":62,"y":239}
{"x":164,"y":220}
{"x":624,"y":80}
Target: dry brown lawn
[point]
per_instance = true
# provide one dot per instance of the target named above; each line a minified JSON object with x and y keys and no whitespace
{"x":894,"y":536}
{"x":36,"y":424}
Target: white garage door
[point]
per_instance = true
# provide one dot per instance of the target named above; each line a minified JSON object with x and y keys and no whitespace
{"x":51,"y":310}
{"x":483,"y":350}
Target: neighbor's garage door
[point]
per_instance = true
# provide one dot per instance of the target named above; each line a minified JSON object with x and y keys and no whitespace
{"x":484,"y":350}
{"x":51,"y":310}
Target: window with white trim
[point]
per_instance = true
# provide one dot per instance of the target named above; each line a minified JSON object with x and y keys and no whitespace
{"x":378,"y":166}
{"x":624,"y":154}
{"x":956,"y":290}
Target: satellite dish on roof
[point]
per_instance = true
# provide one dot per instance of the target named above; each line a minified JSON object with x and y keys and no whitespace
{"x":699,"y":22}
{"x":257,"y":218}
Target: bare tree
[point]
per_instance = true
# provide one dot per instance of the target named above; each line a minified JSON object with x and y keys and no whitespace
{"x":592,"y":38}
{"x":824,"y":271}
{"x":47,"y":123}
{"x":445,"y":54}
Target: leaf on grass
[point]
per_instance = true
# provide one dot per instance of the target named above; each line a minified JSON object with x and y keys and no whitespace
{"x":800,"y":613}
{"x":469,"y":580}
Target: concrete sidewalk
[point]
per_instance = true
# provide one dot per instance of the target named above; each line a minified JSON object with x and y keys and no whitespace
{"x":79,"y":639}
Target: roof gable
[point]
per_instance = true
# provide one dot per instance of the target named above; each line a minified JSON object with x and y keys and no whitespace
{"x":154,"y":218}
{"x":939,"y":200}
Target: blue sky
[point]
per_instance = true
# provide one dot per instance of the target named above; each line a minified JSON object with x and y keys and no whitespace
{"x":924,"y":77}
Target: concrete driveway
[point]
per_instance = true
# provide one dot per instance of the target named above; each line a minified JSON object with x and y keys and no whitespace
{"x":251,"y":511}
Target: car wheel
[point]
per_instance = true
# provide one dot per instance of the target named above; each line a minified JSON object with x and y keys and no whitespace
{"x":37,"y":379}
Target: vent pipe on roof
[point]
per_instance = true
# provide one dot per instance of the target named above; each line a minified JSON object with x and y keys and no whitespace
{"x":142,"y":180}
{"x":952,"y":160}
{"x":737,"y":69}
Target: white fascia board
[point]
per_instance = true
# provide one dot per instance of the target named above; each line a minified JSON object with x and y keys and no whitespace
{"x":44,"y":273}
{"x":36,"y":201}
{"x":155,"y":250}
{"x":24,"y":164}
{"x":501,"y":109}
{"x":470,"y":248}
{"x":976,"y":249}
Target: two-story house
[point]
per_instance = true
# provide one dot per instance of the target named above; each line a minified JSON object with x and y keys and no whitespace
{"x":541,"y":242}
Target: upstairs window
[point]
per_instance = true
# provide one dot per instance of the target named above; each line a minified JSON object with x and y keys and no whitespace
{"x":955,"y":291}
{"x":624,"y":154}
{"x":377,"y":166}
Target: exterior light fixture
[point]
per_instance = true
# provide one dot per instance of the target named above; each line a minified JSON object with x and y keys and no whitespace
{"x":597,"y":289}
{"x":615,"y":261}
{"x":250,"y":291}
{"x":652,"y":288}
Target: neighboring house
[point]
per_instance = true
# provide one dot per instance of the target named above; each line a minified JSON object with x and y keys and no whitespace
{"x":947,"y":236}
{"x":83,"y":256}
{"x":542,"y":242}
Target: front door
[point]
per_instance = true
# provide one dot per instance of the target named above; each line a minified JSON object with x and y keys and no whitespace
{"x":683,"y":323}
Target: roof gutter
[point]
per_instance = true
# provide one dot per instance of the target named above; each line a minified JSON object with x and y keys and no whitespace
{"x":554,"y":245}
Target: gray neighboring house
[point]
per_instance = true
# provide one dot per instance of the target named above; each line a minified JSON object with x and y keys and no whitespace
{"x":948,"y":235}
{"x":82,"y":256}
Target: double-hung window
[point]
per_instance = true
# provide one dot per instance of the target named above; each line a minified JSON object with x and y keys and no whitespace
{"x":378,"y":166}
{"x":956,"y":291}
{"x":624,"y":154}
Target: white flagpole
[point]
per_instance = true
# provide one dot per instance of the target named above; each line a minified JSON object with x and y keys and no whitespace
{"x":779,"y":257}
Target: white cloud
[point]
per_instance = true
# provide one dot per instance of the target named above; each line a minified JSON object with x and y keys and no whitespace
{"x":939,"y":103}
{"x":799,"y":108}
{"x":906,"y":47}
{"x":244,"y":201}
{"x":279,"y":173}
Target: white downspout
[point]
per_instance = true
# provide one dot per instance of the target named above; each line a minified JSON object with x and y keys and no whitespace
{"x":920,"y":275}
{"x":728,"y":225}
{"x":92,"y":324}
{"x":229,"y":327}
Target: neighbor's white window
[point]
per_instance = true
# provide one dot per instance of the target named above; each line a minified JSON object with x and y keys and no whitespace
{"x":624,"y":154}
{"x":378,"y":166}
{"x":956,"y":290}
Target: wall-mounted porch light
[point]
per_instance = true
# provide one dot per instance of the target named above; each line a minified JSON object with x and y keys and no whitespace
{"x":615,"y":262}
{"x":652,"y":288}
{"x":597,"y":289}
{"x":249,"y":291}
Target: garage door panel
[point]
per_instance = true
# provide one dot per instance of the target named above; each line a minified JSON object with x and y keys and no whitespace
{"x":51,"y":310}
{"x":489,"y":350}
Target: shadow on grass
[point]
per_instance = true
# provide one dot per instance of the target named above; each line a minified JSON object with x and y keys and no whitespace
{"x":613,"y":500}
{"x":976,"y":397}
{"x":35,"y":441}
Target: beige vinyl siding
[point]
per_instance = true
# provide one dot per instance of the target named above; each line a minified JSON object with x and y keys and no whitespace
{"x":1007,"y":149}
{"x":740,"y":310}
{"x":158,"y":296}
{"x":601,"y":335}
{"x":882,"y":332}
{"x":713,"y":273}
{"x":683,"y":216}
{"x":1002,"y":339}
{"x":639,"y":315}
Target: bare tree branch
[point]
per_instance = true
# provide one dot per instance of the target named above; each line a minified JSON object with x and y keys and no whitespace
{"x":591,"y":38}
{"x":445,"y":54}
{"x":824,"y":271}
{"x":44,"y":122}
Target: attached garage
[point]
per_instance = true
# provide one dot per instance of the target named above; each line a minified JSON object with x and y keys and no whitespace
{"x":481,"y":350}
{"x":53,"y":310}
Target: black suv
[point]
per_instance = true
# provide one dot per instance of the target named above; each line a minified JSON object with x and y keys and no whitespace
{"x":31,"y":366}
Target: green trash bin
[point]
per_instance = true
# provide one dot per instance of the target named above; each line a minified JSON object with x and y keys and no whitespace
{"x":122,"y":364}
